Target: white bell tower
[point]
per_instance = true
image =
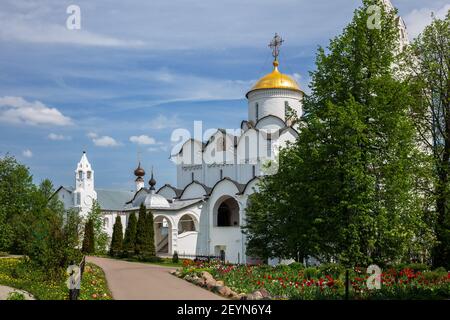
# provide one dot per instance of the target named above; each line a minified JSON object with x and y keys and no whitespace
{"x":84,"y":194}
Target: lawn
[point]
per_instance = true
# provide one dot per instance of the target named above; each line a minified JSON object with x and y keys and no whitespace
{"x":326,"y":282}
{"x":16,"y":273}
{"x":165,"y":262}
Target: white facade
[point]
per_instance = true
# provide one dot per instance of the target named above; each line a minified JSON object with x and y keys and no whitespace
{"x":204,"y":213}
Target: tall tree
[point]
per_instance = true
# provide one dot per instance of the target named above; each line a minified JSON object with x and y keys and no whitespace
{"x":100,"y":236}
{"x":346,"y":189}
{"x":129,"y":242}
{"x":141,"y":231}
{"x":88,"y":246}
{"x":429,"y":68}
{"x":149,"y":226}
{"x":16,"y":198}
{"x":117,"y":238}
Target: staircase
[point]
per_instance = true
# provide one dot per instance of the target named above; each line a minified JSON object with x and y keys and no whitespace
{"x":163,"y":245}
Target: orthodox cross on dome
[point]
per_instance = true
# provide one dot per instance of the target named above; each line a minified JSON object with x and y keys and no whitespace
{"x":275,"y":45}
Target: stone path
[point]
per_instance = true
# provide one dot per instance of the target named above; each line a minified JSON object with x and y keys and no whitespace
{"x":141,"y":281}
{"x":4,"y":292}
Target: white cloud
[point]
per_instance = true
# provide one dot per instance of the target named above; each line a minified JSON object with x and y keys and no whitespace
{"x":33,"y":25}
{"x":103,"y":141}
{"x":27,"y":153}
{"x":164,"y":25}
{"x":164,"y":122}
{"x":160,"y":148}
{"x":143,"y":140}
{"x":186,"y":87}
{"x":18,"y":110}
{"x":418,"y":19}
{"x":58,"y":137}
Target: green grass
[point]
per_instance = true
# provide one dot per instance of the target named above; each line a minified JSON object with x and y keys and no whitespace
{"x":16,"y":273}
{"x":165,"y":262}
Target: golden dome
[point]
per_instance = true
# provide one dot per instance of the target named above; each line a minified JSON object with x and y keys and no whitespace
{"x":276,"y":80}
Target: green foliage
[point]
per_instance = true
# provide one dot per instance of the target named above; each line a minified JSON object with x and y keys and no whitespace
{"x":33,"y":221}
{"x":312,"y":284}
{"x":175,"y":257}
{"x":310,"y":272}
{"x":149,"y":226}
{"x":117,"y":238}
{"x":15,"y":296}
{"x":428,"y":64}
{"x":297,"y":266}
{"x":348,"y":189}
{"x":141,"y":234}
{"x":100,"y":236}
{"x":129,"y":241}
{"x":333,"y":269}
{"x":16,"y":197}
{"x":413,"y":266}
{"x":88,"y":246}
{"x":145,"y":235}
{"x":23,"y":274}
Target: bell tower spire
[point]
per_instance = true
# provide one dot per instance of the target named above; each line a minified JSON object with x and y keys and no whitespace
{"x":84,"y":193}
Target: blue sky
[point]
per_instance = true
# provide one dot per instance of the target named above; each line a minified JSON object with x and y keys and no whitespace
{"x":137,"y":70}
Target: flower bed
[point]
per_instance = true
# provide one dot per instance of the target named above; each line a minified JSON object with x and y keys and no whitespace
{"x":17,"y":274}
{"x":295,"y":282}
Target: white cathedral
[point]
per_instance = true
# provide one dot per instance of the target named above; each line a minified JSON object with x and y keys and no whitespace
{"x":202,"y":215}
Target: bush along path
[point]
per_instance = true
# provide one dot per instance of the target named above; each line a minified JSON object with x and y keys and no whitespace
{"x":326,"y":282}
{"x":20,"y":274}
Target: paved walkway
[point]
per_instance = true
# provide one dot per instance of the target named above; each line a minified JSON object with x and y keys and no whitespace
{"x":141,"y":281}
{"x":5,"y":291}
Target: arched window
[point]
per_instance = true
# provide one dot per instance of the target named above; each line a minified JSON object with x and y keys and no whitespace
{"x":80,"y":174}
{"x":228,"y":213}
{"x":89,"y":174}
{"x":186,"y":224}
{"x":106,"y":223}
{"x":257,"y":112}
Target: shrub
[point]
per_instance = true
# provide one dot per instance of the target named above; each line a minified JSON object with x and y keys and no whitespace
{"x":297,"y":266}
{"x":175,"y":257}
{"x":310,"y":272}
{"x":282,"y":268}
{"x":333,"y":269}
{"x":88,"y":240}
{"x":117,"y":238}
{"x":441,"y":270}
{"x":15,"y":296}
{"x":129,"y":241}
{"x":418,"y":267}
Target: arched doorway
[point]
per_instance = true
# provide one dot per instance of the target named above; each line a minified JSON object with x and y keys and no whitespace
{"x":163,"y":241}
{"x":227,"y":213}
{"x":187,"y":223}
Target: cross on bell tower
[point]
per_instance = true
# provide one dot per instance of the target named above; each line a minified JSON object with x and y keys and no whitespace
{"x":275,"y":45}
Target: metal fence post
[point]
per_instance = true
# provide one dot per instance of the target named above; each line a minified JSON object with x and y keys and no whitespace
{"x":346,"y":284}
